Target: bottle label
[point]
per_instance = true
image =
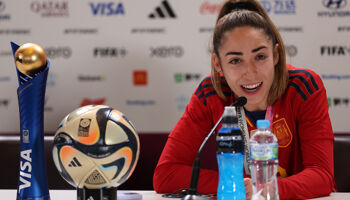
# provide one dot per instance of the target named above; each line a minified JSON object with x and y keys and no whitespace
{"x":229,"y":144}
{"x":264,"y":151}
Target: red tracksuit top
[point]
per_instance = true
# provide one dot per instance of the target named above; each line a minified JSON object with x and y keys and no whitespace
{"x":300,"y":122}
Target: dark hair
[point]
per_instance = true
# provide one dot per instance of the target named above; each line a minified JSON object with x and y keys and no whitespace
{"x":239,"y":13}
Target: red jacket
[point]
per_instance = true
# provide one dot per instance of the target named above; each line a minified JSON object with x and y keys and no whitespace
{"x":300,"y":122}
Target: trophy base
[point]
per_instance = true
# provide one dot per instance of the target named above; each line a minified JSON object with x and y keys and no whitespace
{"x":47,"y":197}
{"x":97,"y":194}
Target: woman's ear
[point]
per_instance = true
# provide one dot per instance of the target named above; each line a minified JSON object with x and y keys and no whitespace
{"x":276,"y":55}
{"x":216,"y":63}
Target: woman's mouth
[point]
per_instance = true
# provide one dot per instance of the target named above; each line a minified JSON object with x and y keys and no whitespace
{"x":251,"y":87}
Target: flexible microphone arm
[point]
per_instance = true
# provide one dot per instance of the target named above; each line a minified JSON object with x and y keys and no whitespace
{"x":192,"y":190}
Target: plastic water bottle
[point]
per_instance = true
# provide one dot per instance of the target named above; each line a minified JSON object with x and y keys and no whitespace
{"x":230,"y":156}
{"x":264,"y":162}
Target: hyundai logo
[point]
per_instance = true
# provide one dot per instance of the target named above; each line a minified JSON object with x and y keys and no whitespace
{"x":334,"y":4}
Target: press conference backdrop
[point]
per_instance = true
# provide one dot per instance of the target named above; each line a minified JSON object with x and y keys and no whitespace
{"x":145,"y":58}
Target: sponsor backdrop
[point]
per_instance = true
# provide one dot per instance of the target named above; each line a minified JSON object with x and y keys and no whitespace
{"x":145,"y":58}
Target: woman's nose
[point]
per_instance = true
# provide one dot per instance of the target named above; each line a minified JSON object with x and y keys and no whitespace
{"x":251,"y":69}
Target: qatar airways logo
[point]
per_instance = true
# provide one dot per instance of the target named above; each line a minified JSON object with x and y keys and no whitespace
{"x":50,"y":8}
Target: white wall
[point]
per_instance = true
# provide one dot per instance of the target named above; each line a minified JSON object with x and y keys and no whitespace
{"x":96,"y":46}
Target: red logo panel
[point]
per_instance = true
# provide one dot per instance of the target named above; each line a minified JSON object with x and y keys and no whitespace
{"x":140,"y":77}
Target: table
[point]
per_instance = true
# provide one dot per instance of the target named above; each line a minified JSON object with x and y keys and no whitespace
{"x":146,"y":195}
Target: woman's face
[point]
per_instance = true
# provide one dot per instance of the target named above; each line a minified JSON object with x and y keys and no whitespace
{"x":247,"y":60}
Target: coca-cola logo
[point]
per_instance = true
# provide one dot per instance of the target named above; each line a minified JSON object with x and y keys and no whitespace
{"x":210,"y":8}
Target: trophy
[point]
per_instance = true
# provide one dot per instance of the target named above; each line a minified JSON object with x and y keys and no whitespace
{"x":32,"y":69}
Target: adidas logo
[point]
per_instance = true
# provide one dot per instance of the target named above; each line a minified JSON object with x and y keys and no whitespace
{"x":90,"y":198}
{"x":163,"y":11}
{"x":74,"y":163}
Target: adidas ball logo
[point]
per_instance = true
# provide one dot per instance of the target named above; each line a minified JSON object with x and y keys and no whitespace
{"x":74,"y":163}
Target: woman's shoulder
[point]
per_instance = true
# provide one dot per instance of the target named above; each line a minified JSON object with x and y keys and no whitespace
{"x":305,"y":82}
{"x":205,"y":90}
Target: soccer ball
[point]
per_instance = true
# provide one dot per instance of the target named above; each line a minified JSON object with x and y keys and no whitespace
{"x":95,"y":147}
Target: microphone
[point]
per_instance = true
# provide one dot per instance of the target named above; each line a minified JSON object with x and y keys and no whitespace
{"x":240,"y":101}
{"x":192,"y":190}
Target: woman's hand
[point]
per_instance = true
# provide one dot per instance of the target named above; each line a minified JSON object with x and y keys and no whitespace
{"x":248,"y":188}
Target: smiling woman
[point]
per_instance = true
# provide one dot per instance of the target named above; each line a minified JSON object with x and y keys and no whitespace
{"x":248,"y":59}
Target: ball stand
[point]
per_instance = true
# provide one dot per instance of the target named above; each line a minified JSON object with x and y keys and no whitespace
{"x":106,"y":194}
{"x":97,"y":194}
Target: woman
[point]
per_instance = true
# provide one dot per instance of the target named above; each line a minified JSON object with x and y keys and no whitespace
{"x":248,"y":60}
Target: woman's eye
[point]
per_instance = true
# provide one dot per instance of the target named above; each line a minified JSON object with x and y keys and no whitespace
{"x":261,"y":57}
{"x":235,"y":61}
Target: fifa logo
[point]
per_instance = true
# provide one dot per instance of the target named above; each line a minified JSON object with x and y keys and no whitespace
{"x":84,"y":127}
{"x":334,"y":4}
{"x":25,"y":169}
{"x":335,"y":50}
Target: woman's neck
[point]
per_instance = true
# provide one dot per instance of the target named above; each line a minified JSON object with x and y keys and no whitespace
{"x":252,"y":108}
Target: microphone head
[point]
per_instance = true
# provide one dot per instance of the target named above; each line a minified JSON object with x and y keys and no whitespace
{"x":240,"y":101}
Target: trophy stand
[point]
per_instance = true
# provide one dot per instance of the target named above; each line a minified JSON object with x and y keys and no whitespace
{"x":97,"y":194}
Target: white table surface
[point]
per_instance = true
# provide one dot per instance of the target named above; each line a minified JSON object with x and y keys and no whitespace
{"x":146,"y":195}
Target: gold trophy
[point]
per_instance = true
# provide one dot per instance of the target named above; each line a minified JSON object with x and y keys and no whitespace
{"x":30,"y":59}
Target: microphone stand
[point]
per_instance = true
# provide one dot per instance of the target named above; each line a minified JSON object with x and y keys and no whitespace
{"x":192,"y":190}
{"x":192,"y":193}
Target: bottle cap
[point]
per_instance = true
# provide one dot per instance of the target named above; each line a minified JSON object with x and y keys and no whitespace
{"x":263,"y":123}
{"x":230,"y":111}
{"x":229,"y":115}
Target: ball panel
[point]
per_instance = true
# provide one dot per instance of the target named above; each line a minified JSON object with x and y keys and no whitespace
{"x":117,"y":116}
{"x":83,"y":111}
{"x":95,"y":180}
{"x":55,"y":159}
{"x":114,"y":134}
{"x":76,"y":163}
{"x":116,"y":166}
{"x":82,"y":129}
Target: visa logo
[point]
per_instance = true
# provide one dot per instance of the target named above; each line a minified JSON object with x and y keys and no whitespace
{"x":107,"y":9}
{"x":26,"y":169}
